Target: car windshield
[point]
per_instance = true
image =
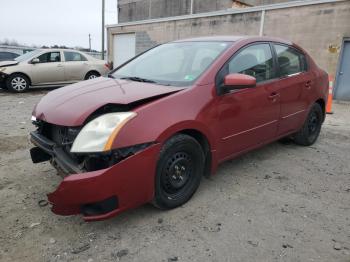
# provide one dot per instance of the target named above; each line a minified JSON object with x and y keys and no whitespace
{"x":27,"y":56}
{"x":175,"y":64}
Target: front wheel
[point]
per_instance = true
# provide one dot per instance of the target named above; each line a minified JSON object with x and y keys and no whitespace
{"x":179,"y":171}
{"x":17,"y":83}
{"x":310,"y":131}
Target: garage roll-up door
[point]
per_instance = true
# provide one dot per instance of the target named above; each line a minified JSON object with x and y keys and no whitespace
{"x":123,"y":48}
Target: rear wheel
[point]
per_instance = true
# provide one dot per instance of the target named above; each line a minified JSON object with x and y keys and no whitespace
{"x":17,"y":83}
{"x":310,"y":131}
{"x":179,"y":171}
{"x":92,"y":75}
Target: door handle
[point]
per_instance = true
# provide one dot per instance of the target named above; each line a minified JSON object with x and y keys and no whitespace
{"x":273,"y":96}
{"x":308,"y":84}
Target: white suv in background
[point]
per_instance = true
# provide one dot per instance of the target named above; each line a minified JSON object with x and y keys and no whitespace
{"x":49,"y":67}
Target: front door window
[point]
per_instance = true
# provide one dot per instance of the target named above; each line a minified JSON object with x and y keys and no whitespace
{"x":256,"y":61}
{"x":50,"y":57}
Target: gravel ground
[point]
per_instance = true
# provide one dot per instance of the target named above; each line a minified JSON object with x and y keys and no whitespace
{"x":280,"y":203}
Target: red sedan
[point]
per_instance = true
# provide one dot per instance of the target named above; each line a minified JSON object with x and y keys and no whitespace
{"x":164,"y":119}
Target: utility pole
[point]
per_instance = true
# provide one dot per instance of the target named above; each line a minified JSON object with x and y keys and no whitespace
{"x":103,"y":29}
{"x":117,"y":11}
{"x":89,"y":42}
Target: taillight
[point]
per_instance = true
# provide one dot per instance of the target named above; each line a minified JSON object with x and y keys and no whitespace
{"x":109,"y":65}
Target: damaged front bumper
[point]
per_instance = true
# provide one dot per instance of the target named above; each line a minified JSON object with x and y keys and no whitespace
{"x":102,"y":193}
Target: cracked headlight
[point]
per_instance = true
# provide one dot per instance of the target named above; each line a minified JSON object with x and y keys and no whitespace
{"x":98,"y":135}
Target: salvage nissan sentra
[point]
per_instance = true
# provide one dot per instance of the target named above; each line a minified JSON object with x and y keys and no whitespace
{"x":162,"y":120}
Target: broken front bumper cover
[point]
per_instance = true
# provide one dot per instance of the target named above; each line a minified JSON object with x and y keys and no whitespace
{"x":103,"y":193}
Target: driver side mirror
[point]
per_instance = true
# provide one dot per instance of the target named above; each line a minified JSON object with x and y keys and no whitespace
{"x":238,"y":81}
{"x":35,"y":61}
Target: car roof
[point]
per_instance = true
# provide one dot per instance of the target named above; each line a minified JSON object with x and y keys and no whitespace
{"x":235,"y":38}
{"x":59,"y":49}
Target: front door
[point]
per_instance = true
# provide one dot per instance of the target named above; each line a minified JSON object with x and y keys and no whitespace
{"x":342,"y":91}
{"x":49,"y":70}
{"x":249,"y":117}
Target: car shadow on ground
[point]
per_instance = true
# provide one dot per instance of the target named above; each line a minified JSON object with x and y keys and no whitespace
{"x":228,"y":172}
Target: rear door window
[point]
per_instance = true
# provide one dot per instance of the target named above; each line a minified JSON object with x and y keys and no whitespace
{"x":73,"y":56}
{"x":290,"y":60}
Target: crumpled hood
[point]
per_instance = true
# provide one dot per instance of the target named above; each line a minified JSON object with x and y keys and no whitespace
{"x":8,"y":63}
{"x":71,"y":105}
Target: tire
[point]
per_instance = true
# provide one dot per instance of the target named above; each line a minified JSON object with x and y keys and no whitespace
{"x":179,"y":171}
{"x":92,"y":75}
{"x":17,"y":83}
{"x":286,"y":140}
{"x":310,"y":131}
{"x":3,"y":86}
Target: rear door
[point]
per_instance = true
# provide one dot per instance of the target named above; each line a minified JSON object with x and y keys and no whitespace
{"x":249,"y":117}
{"x":295,"y":87}
{"x":76,"y":66}
{"x":49,"y":70}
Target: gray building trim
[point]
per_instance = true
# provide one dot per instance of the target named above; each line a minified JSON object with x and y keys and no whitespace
{"x":230,"y":11}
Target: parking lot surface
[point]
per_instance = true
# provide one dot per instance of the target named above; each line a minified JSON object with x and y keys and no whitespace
{"x":282,"y":202}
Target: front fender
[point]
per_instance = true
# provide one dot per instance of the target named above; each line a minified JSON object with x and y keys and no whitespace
{"x":187,"y":125}
{"x":157,"y":121}
{"x":167,"y":133}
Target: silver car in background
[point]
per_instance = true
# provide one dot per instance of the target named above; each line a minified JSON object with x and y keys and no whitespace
{"x":49,"y":67}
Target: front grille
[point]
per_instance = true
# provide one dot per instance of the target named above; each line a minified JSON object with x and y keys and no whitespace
{"x":62,"y":136}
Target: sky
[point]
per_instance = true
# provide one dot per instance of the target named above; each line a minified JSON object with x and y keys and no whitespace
{"x":50,"y":22}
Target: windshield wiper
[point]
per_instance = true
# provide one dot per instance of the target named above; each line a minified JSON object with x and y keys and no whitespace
{"x":138,"y":79}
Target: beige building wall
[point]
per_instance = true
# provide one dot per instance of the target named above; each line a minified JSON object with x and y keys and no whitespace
{"x":319,"y":29}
